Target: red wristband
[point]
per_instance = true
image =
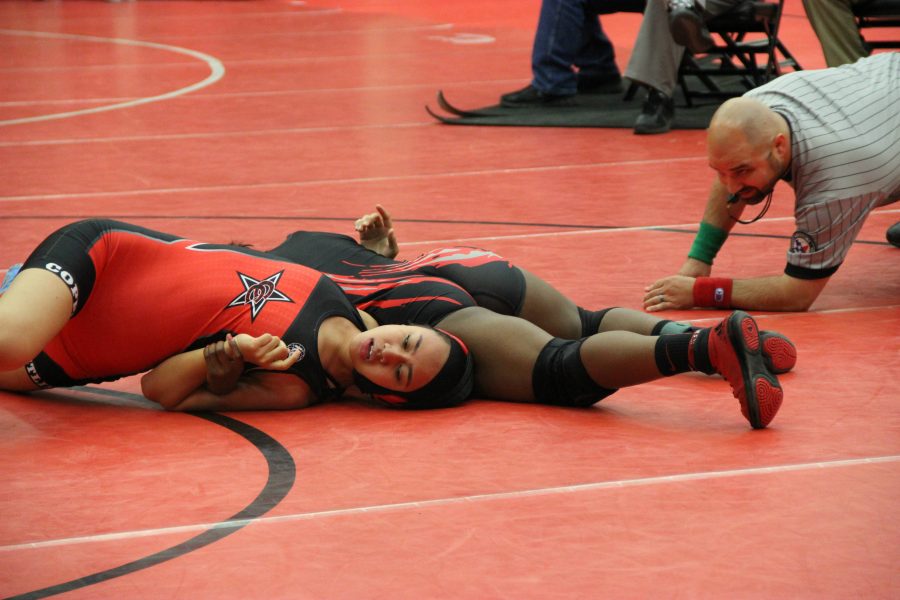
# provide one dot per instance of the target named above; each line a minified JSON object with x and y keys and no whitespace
{"x":713,"y":292}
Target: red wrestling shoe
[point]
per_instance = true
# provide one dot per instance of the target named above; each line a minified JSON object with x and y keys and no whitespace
{"x":778,"y":352}
{"x":734,"y":351}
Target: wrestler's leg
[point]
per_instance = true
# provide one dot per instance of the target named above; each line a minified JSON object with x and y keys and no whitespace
{"x":617,"y":359}
{"x":17,"y":380}
{"x":506,"y":349}
{"x":32,"y":311}
{"x":635,"y":321}
{"x":549,"y":309}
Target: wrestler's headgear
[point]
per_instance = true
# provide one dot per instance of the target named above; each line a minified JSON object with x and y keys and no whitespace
{"x":450,"y":387}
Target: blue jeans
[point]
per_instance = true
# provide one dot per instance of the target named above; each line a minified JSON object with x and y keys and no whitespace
{"x":569,"y":34}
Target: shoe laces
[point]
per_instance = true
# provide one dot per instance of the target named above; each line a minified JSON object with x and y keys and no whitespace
{"x":654,"y":100}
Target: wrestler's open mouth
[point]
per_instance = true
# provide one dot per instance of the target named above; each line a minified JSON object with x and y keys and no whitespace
{"x":365,"y":351}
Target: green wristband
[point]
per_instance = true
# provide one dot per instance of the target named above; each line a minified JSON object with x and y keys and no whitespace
{"x":707,"y":243}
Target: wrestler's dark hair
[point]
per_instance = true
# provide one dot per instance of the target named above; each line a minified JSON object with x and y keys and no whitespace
{"x":450,"y":387}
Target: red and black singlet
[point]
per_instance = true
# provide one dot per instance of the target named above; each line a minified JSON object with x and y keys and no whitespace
{"x":141,"y":296}
{"x":422,"y":291}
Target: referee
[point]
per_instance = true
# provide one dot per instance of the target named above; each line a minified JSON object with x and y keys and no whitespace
{"x":834,"y":136}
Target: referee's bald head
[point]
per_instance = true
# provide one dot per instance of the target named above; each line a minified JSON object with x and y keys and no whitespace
{"x":743,"y":120}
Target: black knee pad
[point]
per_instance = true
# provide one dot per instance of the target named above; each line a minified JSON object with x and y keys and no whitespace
{"x":591,"y":319}
{"x":559,"y":376}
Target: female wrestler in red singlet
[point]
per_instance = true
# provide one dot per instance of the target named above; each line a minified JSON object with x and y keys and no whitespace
{"x":100,"y":300}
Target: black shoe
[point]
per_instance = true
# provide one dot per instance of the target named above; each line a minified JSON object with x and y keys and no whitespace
{"x":600,"y":84}
{"x":530,"y":96}
{"x":893,"y":234}
{"x":688,"y":27}
{"x":656,"y":114}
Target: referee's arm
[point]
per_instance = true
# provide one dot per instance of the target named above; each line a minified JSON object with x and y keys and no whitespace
{"x":778,"y":292}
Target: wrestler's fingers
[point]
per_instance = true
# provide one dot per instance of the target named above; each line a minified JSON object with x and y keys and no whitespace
{"x":262,"y":341}
{"x":385,"y":215}
{"x":285,"y":363}
{"x":256,"y":347}
{"x":215,"y":353}
{"x":275,"y":350}
{"x":369,"y":221}
{"x":234,"y":350}
{"x":263,"y":355}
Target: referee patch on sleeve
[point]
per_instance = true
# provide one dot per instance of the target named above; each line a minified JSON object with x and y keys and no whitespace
{"x":802,"y":243}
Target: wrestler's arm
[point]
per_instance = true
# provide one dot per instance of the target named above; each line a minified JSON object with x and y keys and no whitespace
{"x":376,"y":232}
{"x":217,"y":371}
{"x":258,"y":390}
{"x":179,"y":384}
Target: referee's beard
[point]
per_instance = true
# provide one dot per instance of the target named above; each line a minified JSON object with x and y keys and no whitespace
{"x":778,"y":169}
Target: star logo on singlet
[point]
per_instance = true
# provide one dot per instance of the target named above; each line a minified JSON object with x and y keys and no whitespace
{"x":258,"y":292}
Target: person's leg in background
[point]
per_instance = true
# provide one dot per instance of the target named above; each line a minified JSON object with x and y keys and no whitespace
{"x":835,"y":26}
{"x":655,"y":60}
{"x":596,"y":59}
{"x":654,"y":63}
{"x":568,"y":34}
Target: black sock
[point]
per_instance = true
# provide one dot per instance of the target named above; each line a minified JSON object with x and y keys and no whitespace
{"x":672,"y":353}
{"x":701,"y":352}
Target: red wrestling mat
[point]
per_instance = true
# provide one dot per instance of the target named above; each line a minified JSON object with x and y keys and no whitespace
{"x":247,"y":120}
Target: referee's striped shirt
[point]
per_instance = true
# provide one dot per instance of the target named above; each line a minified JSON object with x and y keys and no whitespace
{"x":845,"y":133}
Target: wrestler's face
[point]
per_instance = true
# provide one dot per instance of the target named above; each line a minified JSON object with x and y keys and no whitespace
{"x":747,"y":172}
{"x":399,"y":357}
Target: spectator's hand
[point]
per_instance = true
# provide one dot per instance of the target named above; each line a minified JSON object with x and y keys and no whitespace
{"x":669,"y":293}
{"x":376,"y":232}
{"x":695,"y":268}
{"x":266,"y":351}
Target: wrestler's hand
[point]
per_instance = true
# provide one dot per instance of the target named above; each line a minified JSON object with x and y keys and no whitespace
{"x":266,"y":351}
{"x":376,"y":232}
{"x":669,"y":293}
{"x":224,"y":365}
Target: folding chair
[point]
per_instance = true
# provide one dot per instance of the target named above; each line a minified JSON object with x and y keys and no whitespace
{"x":747,"y":55}
{"x":877,"y":13}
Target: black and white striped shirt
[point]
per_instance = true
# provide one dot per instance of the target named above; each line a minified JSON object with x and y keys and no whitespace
{"x":845,"y":130}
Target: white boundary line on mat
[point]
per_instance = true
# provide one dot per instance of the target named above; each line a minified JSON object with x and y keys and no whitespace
{"x":217,"y":71}
{"x":442,"y":502}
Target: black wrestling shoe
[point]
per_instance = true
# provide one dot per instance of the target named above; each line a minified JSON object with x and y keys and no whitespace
{"x":530,"y":97}
{"x":688,"y":27}
{"x":893,"y":234}
{"x":600,"y":84}
{"x":656,"y":114}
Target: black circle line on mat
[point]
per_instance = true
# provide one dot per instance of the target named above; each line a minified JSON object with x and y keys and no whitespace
{"x":661,"y":228}
{"x":282,"y":473}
